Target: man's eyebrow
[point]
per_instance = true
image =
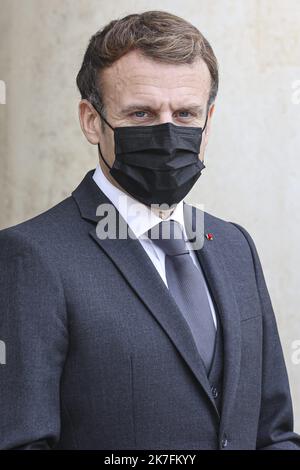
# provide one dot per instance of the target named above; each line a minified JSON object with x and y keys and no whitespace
{"x":134,"y":107}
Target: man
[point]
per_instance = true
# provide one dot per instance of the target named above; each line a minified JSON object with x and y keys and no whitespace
{"x":142,"y":341}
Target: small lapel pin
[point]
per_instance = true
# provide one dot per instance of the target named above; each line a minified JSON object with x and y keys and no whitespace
{"x":209,"y":236}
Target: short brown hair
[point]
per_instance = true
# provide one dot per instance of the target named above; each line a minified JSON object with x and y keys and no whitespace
{"x":159,"y":35}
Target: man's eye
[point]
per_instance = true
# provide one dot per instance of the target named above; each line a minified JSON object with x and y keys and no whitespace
{"x":139,"y":112}
{"x":184,"y":112}
{"x":142,"y":114}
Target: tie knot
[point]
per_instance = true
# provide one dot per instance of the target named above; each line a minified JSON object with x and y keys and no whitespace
{"x":169,"y":236}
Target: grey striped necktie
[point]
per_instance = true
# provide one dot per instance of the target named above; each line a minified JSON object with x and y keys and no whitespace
{"x":186,"y":284}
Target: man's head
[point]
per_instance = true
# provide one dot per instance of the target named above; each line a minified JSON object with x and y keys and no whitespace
{"x":146,"y":69}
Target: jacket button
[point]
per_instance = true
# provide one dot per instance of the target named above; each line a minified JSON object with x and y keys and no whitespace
{"x":224,"y":442}
{"x":214,"y":392}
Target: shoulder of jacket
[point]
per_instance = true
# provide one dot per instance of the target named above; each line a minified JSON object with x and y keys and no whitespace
{"x":34,"y":232}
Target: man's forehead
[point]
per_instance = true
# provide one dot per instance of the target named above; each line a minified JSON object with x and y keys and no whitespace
{"x":139,"y":73}
{"x":129,"y":100}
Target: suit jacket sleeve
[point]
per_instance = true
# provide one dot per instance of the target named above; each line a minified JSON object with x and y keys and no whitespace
{"x":33,"y":328}
{"x":275,"y":428}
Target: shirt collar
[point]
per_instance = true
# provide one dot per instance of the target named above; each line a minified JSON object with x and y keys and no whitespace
{"x":138,"y":216}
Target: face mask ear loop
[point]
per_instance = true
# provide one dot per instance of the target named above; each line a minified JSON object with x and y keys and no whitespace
{"x":205,"y":122}
{"x":102,"y":117}
{"x":204,"y":128}
{"x":103,"y":157}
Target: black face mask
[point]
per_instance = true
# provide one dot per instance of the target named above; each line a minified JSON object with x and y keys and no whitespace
{"x":156,"y":164}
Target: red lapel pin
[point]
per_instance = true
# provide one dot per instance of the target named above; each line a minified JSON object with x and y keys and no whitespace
{"x":209,"y":236}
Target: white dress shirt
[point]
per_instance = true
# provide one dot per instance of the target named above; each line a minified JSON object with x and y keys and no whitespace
{"x":140,"y":218}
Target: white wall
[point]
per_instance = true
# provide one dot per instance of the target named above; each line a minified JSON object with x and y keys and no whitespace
{"x":252,"y":164}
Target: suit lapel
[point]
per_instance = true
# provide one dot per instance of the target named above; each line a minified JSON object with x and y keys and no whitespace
{"x":132,"y":261}
{"x":220,"y":285}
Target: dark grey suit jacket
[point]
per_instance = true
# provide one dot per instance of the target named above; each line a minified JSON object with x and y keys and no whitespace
{"x":100,"y":357}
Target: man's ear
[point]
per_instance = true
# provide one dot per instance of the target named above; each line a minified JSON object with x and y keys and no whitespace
{"x":89,"y":121}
